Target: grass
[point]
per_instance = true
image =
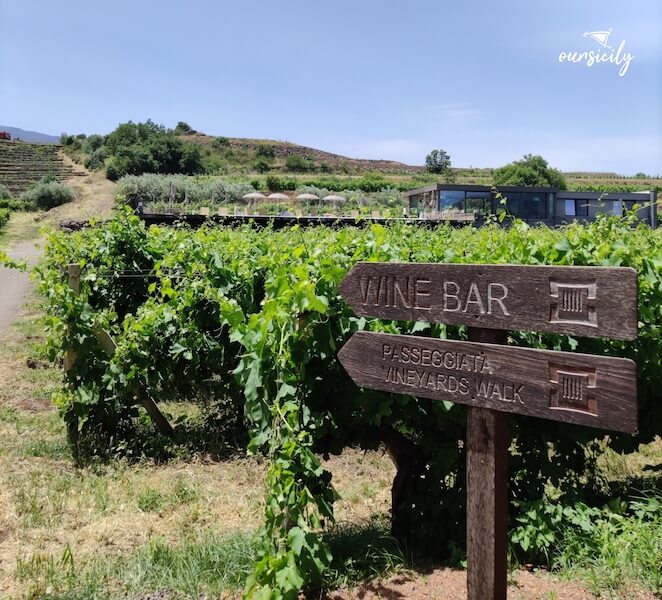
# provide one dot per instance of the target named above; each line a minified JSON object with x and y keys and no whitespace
{"x":83,"y":531}
{"x":204,"y":565}
{"x":619,"y":553}
{"x":22,"y":227}
{"x":125,"y":529}
{"x":208,"y":564}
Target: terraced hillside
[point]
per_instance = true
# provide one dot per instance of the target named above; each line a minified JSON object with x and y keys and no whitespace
{"x":22,"y":163}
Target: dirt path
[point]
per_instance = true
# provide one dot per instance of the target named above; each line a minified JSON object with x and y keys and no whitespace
{"x":95,"y":197}
{"x":14,"y":284}
{"x":20,"y":242}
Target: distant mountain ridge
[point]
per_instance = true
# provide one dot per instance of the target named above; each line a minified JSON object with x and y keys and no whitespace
{"x":31,"y":136}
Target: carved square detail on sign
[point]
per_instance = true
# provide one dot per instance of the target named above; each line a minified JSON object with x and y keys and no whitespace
{"x":572,"y":389}
{"x":573,"y":303}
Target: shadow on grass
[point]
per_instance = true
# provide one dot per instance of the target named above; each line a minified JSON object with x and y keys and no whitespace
{"x":362,"y":552}
{"x":208,"y":566}
{"x":216,"y":430}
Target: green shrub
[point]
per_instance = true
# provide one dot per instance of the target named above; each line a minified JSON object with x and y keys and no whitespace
{"x":4,"y":216}
{"x":609,"y":547}
{"x":17,"y":204}
{"x":220,"y":143}
{"x":265,"y":151}
{"x":261,"y":165}
{"x":5,"y":194}
{"x":136,"y":148}
{"x":296,"y":162}
{"x":46,"y":195}
{"x":277,"y":184}
{"x":93,"y":142}
{"x":96,"y":160}
{"x":114,"y":170}
{"x":259,"y":313}
{"x":150,"y":188}
{"x":530,"y":171}
{"x":183,"y":127}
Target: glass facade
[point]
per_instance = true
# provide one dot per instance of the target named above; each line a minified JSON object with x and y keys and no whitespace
{"x":513,"y":203}
{"x":451,"y":200}
{"x":533,"y":206}
{"x":530,"y":204}
{"x":581,"y":208}
{"x":570,"y":209}
{"x":479,"y":203}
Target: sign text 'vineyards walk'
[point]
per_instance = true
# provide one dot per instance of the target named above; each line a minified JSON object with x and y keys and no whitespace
{"x":563,"y":386}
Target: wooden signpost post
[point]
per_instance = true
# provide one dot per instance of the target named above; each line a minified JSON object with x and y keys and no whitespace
{"x":491,"y":378}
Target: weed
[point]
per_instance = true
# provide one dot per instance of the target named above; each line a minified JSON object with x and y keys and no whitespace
{"x":362,"y":551}
{"x":46,"y":573}
{"x":184,"y":493}
{"x":151,"y":500}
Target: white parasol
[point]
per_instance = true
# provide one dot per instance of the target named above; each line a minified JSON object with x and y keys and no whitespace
{"x":307,"y":197}
{"x":253,"y":197}
{"x":277,"y":196}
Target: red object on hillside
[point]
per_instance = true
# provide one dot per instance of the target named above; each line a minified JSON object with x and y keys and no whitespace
{"x":5,"y":135}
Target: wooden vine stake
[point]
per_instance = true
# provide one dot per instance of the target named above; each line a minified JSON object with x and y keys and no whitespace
{"x":73,"y":280}
{"x":109,"y":347}
{"x":490,"y":377}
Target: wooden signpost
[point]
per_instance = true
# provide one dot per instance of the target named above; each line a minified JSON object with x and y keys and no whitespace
{"x":585,"y":301}
{"x":598,"y":391}
{"x":491,"y":378}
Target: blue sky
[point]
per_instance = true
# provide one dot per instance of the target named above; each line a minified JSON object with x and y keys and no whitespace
{"x":367,"y":79}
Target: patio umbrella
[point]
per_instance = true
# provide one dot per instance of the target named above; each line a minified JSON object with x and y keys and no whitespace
{"x":253,"y":196}
{"x":307,"y":198}
{"x":277,"y":196}
{"x":335,"y":198}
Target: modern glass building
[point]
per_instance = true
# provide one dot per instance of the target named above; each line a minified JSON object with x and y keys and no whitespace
{"x":533,"y":205}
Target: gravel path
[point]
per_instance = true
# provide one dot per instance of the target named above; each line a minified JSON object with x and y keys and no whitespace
{"x":14,"y":285}
{"x":94,"y":198}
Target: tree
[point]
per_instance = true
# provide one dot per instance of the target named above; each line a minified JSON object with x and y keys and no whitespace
{"x":295,"y":162}
{"x":532,"y":170}
{"x":438,"y":161}
{"x":183,"y":127}
{"x":136,"y":148}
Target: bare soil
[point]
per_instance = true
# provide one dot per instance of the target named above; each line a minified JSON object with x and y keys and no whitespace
{"x":95,"y":196}
{"x":450,"y":584}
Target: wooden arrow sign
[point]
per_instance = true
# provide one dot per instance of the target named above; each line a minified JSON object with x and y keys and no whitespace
{"x":583,"y":389}
{"x":584,"y":301}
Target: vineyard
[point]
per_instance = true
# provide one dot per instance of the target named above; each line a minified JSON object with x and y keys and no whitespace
{"x":252,"y":320}
{"x":22,"y":165}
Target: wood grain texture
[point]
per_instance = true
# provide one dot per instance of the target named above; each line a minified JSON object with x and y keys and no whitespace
{"x":583,"y":389}
{"x":487,"y":503}
{"x":487,"y":493}
{"x":583,"y":301}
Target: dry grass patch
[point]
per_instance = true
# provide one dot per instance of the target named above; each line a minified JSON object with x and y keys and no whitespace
{"x":95,"y":196}
{"x":102,"y":512}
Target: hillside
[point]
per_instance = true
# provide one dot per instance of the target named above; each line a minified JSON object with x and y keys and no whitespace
{"x":30,"y":136}
{"x":22,"y":164}
{"x":334,"y":163}
{"x":136,"y":148}
{"x":243,"y":152}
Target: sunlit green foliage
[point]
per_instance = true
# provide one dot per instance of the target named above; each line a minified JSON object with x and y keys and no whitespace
{"x":531,"y":170}
{"x":258,"y":311}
